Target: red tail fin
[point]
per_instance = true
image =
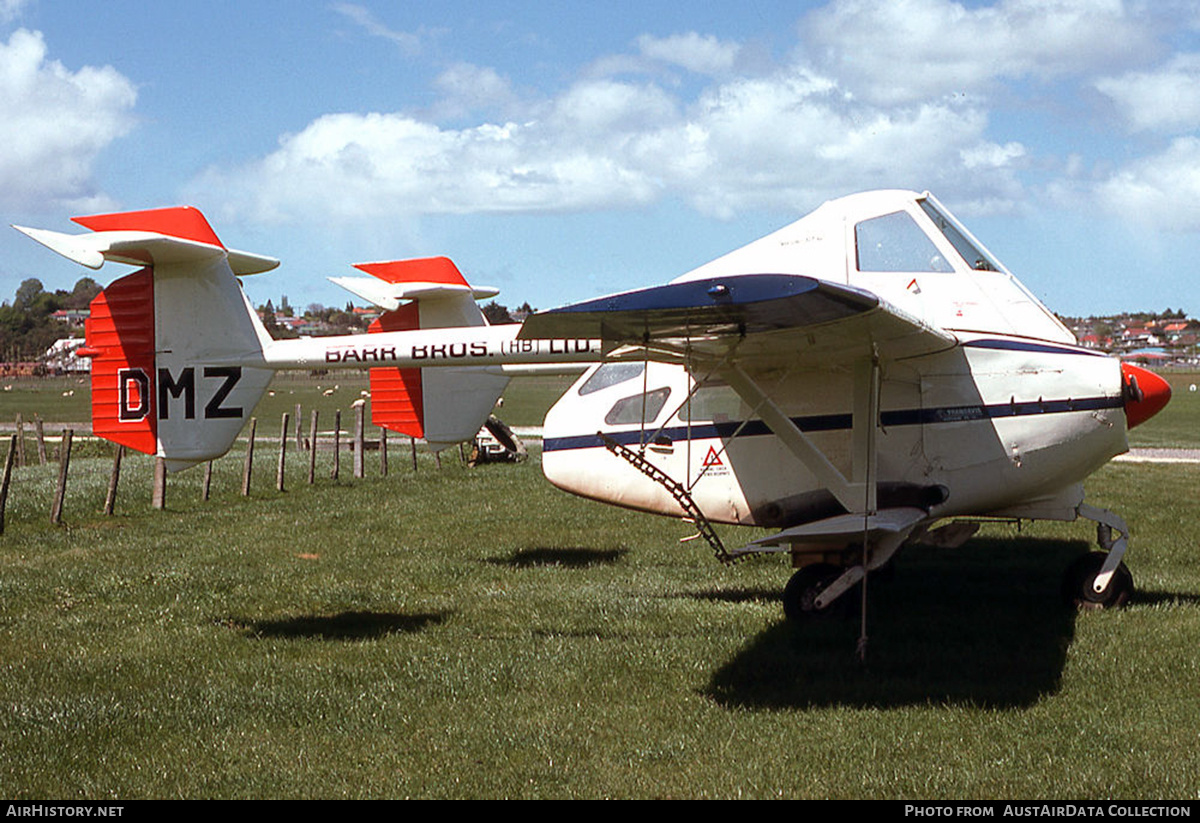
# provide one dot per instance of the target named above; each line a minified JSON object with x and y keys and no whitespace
{"x":397,"y":401}
{"x":445,"y":405}
{"x":120,"y":341}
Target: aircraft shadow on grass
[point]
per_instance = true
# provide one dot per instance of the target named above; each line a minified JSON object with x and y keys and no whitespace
{"x":357,"y":625}
{"x":984,"y":625}
{"x":574,"y":557}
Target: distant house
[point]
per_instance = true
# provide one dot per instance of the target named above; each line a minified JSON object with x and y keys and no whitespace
{"x":1093,"y":341}
{"x":75,"y":318}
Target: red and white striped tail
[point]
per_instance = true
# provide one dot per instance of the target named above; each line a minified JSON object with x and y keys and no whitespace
{"x":442,"y":405}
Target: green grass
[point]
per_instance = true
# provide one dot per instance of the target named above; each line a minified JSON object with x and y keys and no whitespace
{"x":475,"y":633}
{"x":1178,"y":424}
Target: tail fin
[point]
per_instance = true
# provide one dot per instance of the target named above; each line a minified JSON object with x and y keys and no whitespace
{"x":446,"y":405}
{"x":174,"y":345}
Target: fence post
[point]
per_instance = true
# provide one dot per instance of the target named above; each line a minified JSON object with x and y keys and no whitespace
{"x":20,"y":442}
{"x":41,"y":440}
{"x":312,"y":448}
{"x":283,"y":436}
{"x":299,"y":431}
{"x":207,"y":482}
{"x":359,"y":443}
{"x":7,"y":477}
{"x":64,"y":462}
{"x":110,"y":499}
{"x":382,"y":452}
{"x":158,"y":498}
{"x":412,"y":442}
{"x":337,"y":444}
{"x":249,"y":459}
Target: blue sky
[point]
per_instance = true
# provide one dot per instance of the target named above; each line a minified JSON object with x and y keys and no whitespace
{"x":561,"y":150}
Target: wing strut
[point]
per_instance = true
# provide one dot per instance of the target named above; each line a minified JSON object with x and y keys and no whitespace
{"x":857,"y":494}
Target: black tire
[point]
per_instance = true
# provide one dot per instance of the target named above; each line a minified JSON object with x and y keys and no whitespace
{"x":1077,"y":588}
{"x":801,"y":591}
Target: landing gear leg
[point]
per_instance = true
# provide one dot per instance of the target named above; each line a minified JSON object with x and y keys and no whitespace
{"x":1099,"y":580}
{"x":805,"y":586}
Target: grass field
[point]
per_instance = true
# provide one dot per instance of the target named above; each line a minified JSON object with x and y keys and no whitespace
{"x":475,"y":633}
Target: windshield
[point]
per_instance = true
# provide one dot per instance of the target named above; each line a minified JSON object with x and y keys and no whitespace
{"x":974,"y":256}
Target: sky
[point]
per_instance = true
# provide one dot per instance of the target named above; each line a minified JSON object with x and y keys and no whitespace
{"x":563,"y":149}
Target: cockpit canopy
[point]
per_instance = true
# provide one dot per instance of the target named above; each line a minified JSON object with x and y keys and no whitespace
{"x":910,"y":251}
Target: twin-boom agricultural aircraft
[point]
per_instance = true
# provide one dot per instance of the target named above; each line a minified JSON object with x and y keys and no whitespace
{"x":865,"y":377}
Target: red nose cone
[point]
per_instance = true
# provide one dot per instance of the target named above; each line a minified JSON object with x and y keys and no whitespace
{"x":1145,"y":394}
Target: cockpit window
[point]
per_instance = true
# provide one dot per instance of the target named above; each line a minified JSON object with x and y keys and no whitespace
{"x":610,"y":374}
{"x":894,"y":242}
{"x":975,"y":257}
{"x":640,"y":408}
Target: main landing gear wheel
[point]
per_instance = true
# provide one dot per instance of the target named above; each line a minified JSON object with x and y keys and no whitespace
{"x":1077,"y":586}
{"x":801,"y":591}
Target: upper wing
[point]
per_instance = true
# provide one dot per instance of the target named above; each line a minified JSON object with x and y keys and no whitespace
{"x":767,"y":318}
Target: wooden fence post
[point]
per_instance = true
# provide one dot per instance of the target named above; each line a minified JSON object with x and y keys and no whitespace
{"x":359,"y":442}
{"x":312,"y":448}
{"x":412,"y":442}
{"x":20,"y":442}
{"x":64,"y":462}
{"x":283,"y":437}
{"x":382,"y":452}
{"x":110,"y":499}
{"x":7,"y":477}
{"x":337,"y":444}
{"x":206,"y":483}
{"x":158,"y":498}
{"x":41,"y":440}
{"x":249,"y":459}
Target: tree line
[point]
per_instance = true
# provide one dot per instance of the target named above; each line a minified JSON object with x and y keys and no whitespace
{"x":28,"y":326}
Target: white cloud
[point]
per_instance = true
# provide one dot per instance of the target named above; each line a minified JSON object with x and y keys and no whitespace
{"x":701,"y":54}
{"x":901,"y":51}
{"x":56,"y":123}
{"x":1161,"y":191}
{"x":783,"y":142}
{"x":349,"y":166}
{"x":408,"y":42}
{"x":1165,"y":99}
{"x":466,"y":88}
{"x":11,"y":9}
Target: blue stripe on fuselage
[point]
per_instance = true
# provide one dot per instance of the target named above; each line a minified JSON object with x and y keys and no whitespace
{"x":839,"y":422}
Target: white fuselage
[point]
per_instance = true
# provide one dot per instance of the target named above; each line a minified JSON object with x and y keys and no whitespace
{"x":993,"y":426}
{"x":1009,"y":420}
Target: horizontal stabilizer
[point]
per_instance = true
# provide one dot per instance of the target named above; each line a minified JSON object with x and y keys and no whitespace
{"x":389,"y":296}
{"x":147,"y":238}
